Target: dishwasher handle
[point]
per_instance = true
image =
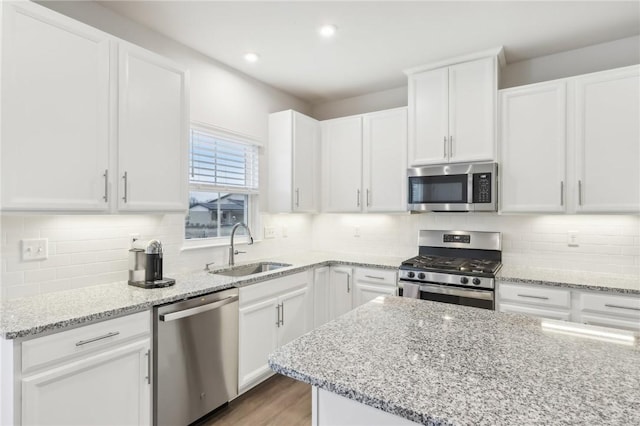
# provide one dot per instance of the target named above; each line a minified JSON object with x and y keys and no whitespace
{"x":197,"y":310}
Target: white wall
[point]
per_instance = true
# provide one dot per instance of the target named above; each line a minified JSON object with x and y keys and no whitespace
{"x":607,"y":244}
{"x":599,"y":57}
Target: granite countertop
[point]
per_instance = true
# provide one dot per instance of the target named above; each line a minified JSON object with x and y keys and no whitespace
{"x":618,"y":283}
{"x":34,"y":315}
{"x":441,"y":364}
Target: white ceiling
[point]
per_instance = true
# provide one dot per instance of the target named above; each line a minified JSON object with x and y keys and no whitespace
{"x":375,"y":40}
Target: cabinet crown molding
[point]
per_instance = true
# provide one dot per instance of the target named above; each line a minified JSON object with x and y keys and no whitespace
{"x":493,"y":52}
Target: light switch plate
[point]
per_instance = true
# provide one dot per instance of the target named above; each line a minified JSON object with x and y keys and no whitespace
{"x":269,"y":232}
{"x":572,"y":239}
{"x":35,"y":249}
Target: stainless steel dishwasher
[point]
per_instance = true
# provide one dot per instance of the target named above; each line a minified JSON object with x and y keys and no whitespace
{"x":195,"y":346}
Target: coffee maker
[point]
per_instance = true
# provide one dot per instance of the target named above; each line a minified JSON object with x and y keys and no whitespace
{"x":145,"y":266}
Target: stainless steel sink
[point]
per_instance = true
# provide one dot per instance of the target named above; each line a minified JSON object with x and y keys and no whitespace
{"x":253,"y":268}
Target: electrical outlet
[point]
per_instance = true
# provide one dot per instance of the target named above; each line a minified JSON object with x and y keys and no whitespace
{"x":133,"y":238}
{"x":572,"y":239}
{"x":356,"y":231}
{"x":285,"y":232}
{"x":269,"y":232}
{"x":35,"y":249}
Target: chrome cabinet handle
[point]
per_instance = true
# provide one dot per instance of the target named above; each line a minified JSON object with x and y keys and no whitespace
{"x":106,"y":185}
{"x":348,"y":284}
{"x":533,"y":297}
{"x":358,"y":198}
{"x":562,"y":193}
{"x":622,"y":307}
{"x":95,"y":339}
{"x":368,"y":198}
{"x":374,"y":277}
{"x":282,"y":313}
{"x":451,"y":146}
{"x":278,"y":315}
{"x":124,"y":177}
{"x":579,"y":192}
{"x":148,"y":355}
{"x":297,"y":197}
{"x":444,"y":152}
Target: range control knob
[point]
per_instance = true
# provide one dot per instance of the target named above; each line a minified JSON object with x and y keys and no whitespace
{"x":464,"y":280}
{"x":411,"y":274}
{"x":476,"y":281}
{"x":421,"y":275}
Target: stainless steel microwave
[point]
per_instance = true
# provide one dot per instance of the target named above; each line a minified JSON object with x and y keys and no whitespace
{"x":470,"y":187}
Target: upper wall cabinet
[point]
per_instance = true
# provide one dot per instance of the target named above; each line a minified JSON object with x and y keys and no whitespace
{"x":452,"y":110}
{"x":55,"y":112}
{"x":293,"y":162}
{"x":364,"y":162}
{"x":594,"y":120}
{"x":77,"y":139}
{"x":607,"y":126}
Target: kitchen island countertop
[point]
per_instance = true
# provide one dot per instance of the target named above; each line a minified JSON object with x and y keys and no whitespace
{"x":437,"y":364}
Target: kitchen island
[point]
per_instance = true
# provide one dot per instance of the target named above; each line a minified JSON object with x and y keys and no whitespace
{"x":436,"y":364}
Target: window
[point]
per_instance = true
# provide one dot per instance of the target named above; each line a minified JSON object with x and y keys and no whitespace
{"x":223,"y":182}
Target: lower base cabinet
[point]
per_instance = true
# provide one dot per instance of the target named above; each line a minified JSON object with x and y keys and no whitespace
{"x":271,"y":314}
{"x":371,"y":283}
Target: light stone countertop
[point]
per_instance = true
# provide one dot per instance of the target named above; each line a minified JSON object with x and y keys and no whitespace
{"x":30,"y":316}
{"x":479,"y":367}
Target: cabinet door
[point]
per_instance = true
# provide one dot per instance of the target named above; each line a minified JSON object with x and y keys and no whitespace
{"x":109,"y":388}
{"x":55,"y":116}
{"x":153,"y":132}
{"x":428,"y":117}
{"x":533,"y":147}
{"x":257,"y":338}
{"x":472,"y":110}
{"x":306,"y":133}
{"x":340,"y":291}
{"x":295,"y":315}
{"x":385,"y":161}
{"x":342,"y":169}
{"x":321,"y":296}
{"x":364,"y":292}
{"x":608,"y":141}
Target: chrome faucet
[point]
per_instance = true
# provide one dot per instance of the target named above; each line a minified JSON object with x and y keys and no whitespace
{"x":232,"y":250}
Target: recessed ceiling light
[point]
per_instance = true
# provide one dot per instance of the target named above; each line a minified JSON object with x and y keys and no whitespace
{"x":251,"y":57}
{"x":327,"y":30}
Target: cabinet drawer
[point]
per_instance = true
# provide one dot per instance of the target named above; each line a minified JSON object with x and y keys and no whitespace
{"x":274,"y":287}
{"x":376,"y":276}
{"x":70,"y":343}
{"x":606,"y":321}
{"x":541,"y":296}
{"x":535,"y":312}
{"x":611,"y":305}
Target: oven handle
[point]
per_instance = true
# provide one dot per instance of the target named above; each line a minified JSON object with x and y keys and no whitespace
{"x":454,"y":291}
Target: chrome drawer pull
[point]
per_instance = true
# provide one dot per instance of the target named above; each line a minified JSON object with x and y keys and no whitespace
{"x":533,"y":297}
{"x":374,"y":277}
{"x":95,"y":339}
{"x":622,"y":307}
{"x":148,"y":355}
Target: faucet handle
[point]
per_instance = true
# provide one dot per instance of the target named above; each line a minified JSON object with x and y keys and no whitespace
{"x":238,"y":252}
{"x":206,"y":266}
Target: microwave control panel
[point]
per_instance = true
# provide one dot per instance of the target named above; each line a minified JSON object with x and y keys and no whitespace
{"x":482,"y":187}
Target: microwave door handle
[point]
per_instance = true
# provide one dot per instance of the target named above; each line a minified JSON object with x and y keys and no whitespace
{"x":470,"y":188}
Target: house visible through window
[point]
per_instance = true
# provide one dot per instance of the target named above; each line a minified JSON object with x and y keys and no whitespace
{"x":223,"y":179}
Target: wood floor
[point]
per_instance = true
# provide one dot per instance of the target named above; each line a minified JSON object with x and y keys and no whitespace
{"x":279,"y":401}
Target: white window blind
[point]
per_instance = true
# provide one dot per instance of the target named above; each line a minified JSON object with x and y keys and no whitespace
{"x":222,"y":164}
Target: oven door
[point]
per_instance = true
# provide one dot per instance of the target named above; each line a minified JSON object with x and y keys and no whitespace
{"x":484,"y":299}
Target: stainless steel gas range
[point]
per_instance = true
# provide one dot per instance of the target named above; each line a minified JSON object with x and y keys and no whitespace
{"x":457,"y":267}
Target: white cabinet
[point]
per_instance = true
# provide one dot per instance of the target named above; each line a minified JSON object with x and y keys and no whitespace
{"x":371,"y":283}
{"x":452,"y":112}
{"x":340,"y":291}
{"x":293,"y":162}
{"x":533,"y":133}
{"x":72,"y":126}
{"x":321,"y":296}
{"x":99,"y":374}
{"x":532,"y":300}
{"x":607,"y":108}
{"x":271,"y":314}
{"x":606,"y":310}
{"x":585,"y":131}
{"x":153,"y":133}
{"x":364,"y":162}
{"x":55,"y":111}
{"x":342,"y":164}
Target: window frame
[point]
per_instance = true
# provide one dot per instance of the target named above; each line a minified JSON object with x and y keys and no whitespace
{"x":252,"y":195}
